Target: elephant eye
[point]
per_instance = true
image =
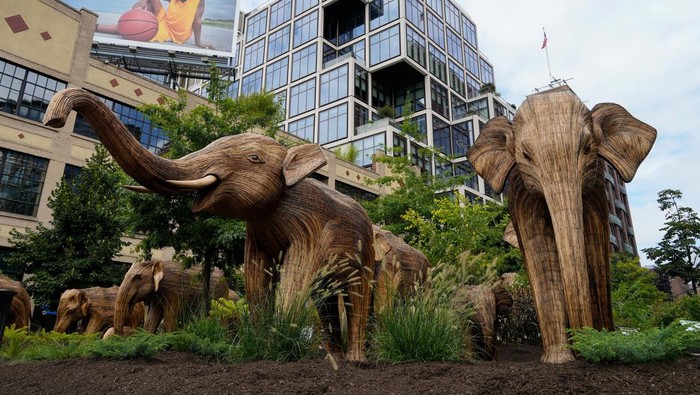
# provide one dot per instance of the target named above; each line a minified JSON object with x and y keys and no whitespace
{"x":527,"y":157}
{"x":255,"y":159}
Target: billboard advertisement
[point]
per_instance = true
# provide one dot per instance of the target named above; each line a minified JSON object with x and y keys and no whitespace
{"x":206,"y":27}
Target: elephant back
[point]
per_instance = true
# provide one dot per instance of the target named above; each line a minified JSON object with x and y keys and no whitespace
{"x":21,"y":308}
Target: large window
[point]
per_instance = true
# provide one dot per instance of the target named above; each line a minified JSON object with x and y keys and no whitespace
{"x":441,"y":136}
{"x":24,"y":92}
{"x":415,"y":46}
{"x":256,"y":25}
{"x":421,"y":159}
{"x":462,"y":138}
{"x":436,"y":30}
{"x":413,"y":95}
{"x":473,"y":87}
{"x":303,"y":62}
{"x":452,"y":15}
{"x":479,"y":107}
{"x":303,"y":128}
{"x":333,"y":85}
{"x":305,"y":29}
{"x":254,"y":55}
{"x":278,"y":43}
{"x":280,"y":12}
{"x":303,"y":5}
{"x":358,"y":49}
{"x":457,"y":78}
{"x":438,"y":65}
{"x":415,"y":13}
{"x":333,"y":124}
{"x":436,"y":5}
{"x":459,"y":107}
{"x":472,"y":60}
{"x":361,"y":84}
{"x":438,"y":94}
{"x":367,"y":147}
{"x":361,"y":116}
{"x":486,"y":72}
{"x":454,"y":46}
{"x":21,"y":181}
{"x":382,"y":12}
{"x":277,"y":74}
{"x":301,"y":97}
{"x":469,"y":31}
{"x":252,"y":83}
{"x":465,"y":169}
{"x":384,"y":45}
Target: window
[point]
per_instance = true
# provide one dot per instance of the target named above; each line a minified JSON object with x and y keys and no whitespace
{"x":436,"y":31}
{"x":361,"y":84}
{"x":254,"y":55}
{"x":252,"y":83}
{"x":70,"y":172}
{"x":353,"y":191}
{"x":457,"y":79}
{"x":276,"y":74}
{"x":278,"y":43}
{"x":303,"y":62}
{"x":333,"y":85}
{"x":454,"y":46}
{"x":21,"y":181}
{"x":469,"y":31}
{"x":333,"y":124}
{"x":303,"y":5}
{"x":471,"y":180}
{"x":441,"y":136}
{"x":382,"y":12}
{"x":399,"y":149}
{"x":438,"y":94}
{"x":473,"y":87}
{"x":413,"y":94}
{"x":421,"y":159}
{"x":486,"y":72}
{"x":305,"y":29}
{"x":280,"y":12}
{"x":303,"y":128}
{"x":452,"y":15}
{"x":281,"y":101}
{"x":361,"y":116}
{"x":384,"y":45}
{"x":479,"y":107}
{"x":472,"y":61}
{"x":415,"y":13}
{"x":232,"y":91}
{"x":459,"y":108}
{"x":367,"y":147}
{"x":438,"y":65}
{"x":256,"y":25}
{"x":462,"y":138}
{"x":358,"y":49}
{"x":499,"y":110}
{"x":24,"y":92}
{"x":415,"y":46}
{"x":301,"y":97}
{"x":436,"y":5}
{"x":381,"y":95}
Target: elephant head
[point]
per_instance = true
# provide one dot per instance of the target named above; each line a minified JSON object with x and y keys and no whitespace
{"x":551,"y":153}
{"x":242,"y":176}
{"x":73,"y":306}
{"x":142,"y":279}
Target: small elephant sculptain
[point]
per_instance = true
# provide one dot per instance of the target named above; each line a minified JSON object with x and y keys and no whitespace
{"x":552,"y":156}
{"x":21,"y":306}
{"x":95,"y":307}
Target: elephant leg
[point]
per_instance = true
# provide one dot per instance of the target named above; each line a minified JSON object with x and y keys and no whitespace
{"x":359,"y":297}
{"x":259,"y":269}
{"x":94,"y":325}
{"x":154,"y":317}
{"x":173,"y":312}
{"x":329,"y":310}
{"x":597,"y":233}
{"x":534,"y":228}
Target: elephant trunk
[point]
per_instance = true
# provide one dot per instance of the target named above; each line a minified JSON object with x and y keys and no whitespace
{"x":565,"y":204}
{"x":143,"y":166}
{"x":62,"y":323}
{"x":122,"y":308}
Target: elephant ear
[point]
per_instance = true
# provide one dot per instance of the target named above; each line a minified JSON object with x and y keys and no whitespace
{"x":157,"y":274}
{"x":381,"y":247}
{"x":509,"y":235}
{"x":491,"y":154}
{"x":84,"y":304}
{"x":301,"y":161}
{"x":626,"y":141}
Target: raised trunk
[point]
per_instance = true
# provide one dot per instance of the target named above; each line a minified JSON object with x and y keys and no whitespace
{"x":566,"y":209}
{"x":143,"y":166}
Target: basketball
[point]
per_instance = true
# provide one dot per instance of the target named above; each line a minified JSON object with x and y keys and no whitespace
{"x":138,"y":24}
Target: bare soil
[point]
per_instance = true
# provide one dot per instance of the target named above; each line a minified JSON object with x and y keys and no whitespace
{"x":517,"y":371}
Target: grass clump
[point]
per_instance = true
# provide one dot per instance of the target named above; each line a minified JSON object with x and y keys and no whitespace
{"x":22,"y":345}
{"x":139,"y":345}
{"x":653,"y":344}
{"x":204,"y":336}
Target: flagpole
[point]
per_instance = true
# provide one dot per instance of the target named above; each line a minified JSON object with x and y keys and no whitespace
{"x":546,"y":50}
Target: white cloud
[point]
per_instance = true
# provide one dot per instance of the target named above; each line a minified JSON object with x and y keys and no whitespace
{"x":642,"y":55}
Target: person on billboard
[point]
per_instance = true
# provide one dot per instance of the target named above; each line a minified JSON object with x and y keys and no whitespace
{"x":176,"y":24}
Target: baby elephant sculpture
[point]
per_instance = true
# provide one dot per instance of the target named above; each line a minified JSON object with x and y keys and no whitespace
{"x":170,"y":291}
{"x":95,"y":306}
{"x":21,"y":307}
{"x":552,"y":157}
{"x":398,"y":267}
{"x":295,"y":226}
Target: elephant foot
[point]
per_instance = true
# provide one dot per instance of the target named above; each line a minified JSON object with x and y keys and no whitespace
{"x":355,"y":356}
{"x":557,"y":356}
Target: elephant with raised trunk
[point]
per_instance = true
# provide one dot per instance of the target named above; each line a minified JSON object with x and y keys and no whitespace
{"x":552,"y":156}
{"x":95,"y":306}
{"x":21,"y":307}
{"x":297,"y":228}
{"x":170,"y":291}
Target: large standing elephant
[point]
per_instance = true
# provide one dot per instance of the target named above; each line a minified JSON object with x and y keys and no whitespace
{"x":21,"y":307}
{"x":170,"y":291}
{"x":398,"y":267}
{"x":552,"y":155}
{"x":295,"y":226}
{"x":95,"y":306}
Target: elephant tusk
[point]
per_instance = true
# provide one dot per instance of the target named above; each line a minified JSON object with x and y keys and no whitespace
{"x":194,"y":184}
{"x":138,"y":188}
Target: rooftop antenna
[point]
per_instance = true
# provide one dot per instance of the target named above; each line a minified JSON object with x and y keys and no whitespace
{"x":553,"y":82}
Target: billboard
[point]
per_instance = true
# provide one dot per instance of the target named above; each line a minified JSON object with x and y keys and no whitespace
{"x":172,"y":24}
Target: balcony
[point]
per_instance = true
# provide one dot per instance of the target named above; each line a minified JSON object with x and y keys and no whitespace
{"x":609,"y":177}
{"x":620,"y":205}
{"x":613,"y":219}
{"x":381,"y":124}
{"x":613,"y":239}
{"x":628,"y":248}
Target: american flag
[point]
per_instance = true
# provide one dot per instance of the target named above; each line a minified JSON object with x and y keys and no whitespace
{"x":544,"y":42}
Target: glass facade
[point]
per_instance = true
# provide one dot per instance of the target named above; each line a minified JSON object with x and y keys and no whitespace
{"x":256,"y":25}
{"x":415,"y":46}
{"x":333,"y":85}
{"x":276,"y":76}
{"x":280,"y":12}
{"x":415,"y":13}
{"x":306,"y":28}
{"x":278,"y":42}
{"x":252,"y":83}
{"x":436,"y":30}
{"x":303,"y":128}
{"x":382,"y":12}
{"x":304,"y":62}
{"x":384,"y":45}
{"x":254,"y":55}
{"x":367,"y":146}
{"x":21,"y":181}
{"x":24,"y":92}
{"x":301,"y":97}
{"x":333,"y":124}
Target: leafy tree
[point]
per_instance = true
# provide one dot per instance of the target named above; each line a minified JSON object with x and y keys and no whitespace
{"x":168,"y":221}
{"x":76,"y":251}
{"x":634,"y":291}
{"x":678,"y":252}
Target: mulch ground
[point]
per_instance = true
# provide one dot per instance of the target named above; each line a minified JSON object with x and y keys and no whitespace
{"x":516,"y":371}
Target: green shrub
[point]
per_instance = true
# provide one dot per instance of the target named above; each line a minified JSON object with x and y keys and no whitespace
{"x":140,"y":344}
{"x":653,"y":344}
{"x":686,"y":308}
{"x":21,"y":345}
{"x":204,"y":336}
{"x":519,"y":325}
{"x":634,"y":291}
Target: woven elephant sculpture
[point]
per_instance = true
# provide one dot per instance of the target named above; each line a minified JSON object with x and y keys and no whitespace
{"x":552,"y":157}
{"x":21,"y":307}
{"x":95,"y":306}
{"x":297,"y":228}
